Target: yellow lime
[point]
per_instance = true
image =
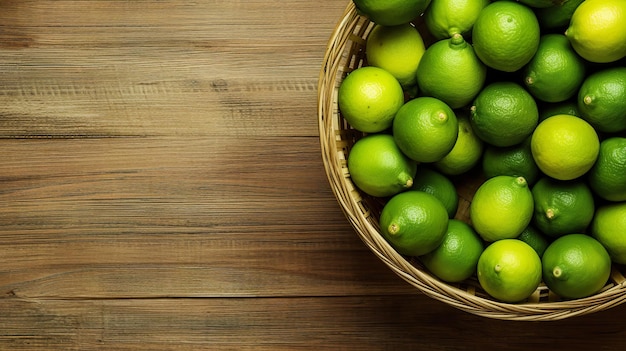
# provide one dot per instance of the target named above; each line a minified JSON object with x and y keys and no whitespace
{"x":425,"y":129}
{"x":438,"y":185}
{"x":597,"y":30}
{"x":607,"y":177}
{"x":562,"y":207}
{"x":602,"y":99}
{"x":465,"y":154}
{"x":504,"y":114}
{"x":576,"y":266}
{"x":555,"y":72}
{"x":378,"y":167}
{"x":509,"y":270}
{"x":564,"y":147}
{"x":516,"y":161}
{"x":609,"y":228}
{"x":369,"y":98}
{"x":557,"y":16}
{"x":391,"y":12}
{"x":444,"y":18}
{"x":414,"y":222}
{"x":451,"y":72}
{"x":535,"y":239}
{"x":397,"y":49}
{"x":506,"y":35}
{"x":501,"y":208}
{"x":456,"y":258}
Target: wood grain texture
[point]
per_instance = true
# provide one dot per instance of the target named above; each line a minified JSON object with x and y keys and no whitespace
{"x":161,"y":188}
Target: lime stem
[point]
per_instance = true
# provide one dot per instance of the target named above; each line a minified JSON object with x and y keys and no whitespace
{"x":550,"y":214}
{"x":521,"y":181}
{"x":393,"y":229}
{"x":457,"y":41}
{"x":557,"y":272}
{"x":588,"y":99}
{"x":497,"y":268}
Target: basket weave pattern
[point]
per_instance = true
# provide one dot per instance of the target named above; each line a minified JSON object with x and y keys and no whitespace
{"x":346,"y":52}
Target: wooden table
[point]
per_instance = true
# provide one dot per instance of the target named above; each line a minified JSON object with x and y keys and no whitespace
{"x":161,"y":188}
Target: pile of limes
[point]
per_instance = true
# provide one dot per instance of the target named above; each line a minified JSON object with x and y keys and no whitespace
{"x":528,"y":97}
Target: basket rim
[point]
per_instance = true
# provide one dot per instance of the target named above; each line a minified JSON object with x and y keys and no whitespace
{"x":349,"y":198}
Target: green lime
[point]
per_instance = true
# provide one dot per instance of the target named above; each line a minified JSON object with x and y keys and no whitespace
{"x":562,"y":207}
{"x":542,"y":3}
{"x":444,"y":18}
{"x":369,"y":98}
{"x":509,"y":270}
{"x":609,"y":228}
{"x":504,"y":114}
{"x":564,"y":147}
{"x":556,"y":72}
{"x":378,"y":167}
{"x":549,"y":109}
{"x":396,"y":49}
{"x":597,"y":30}
{"x":602,"y":99}
{"x":535,"y":239}
{"x":451,"y":72}
{"x":414,"y":222}
{"x":425,"y":129}
{"x":557,"y":16}
{"x":516,"y":161}
{"x":391,"y":12}
{"x":432,"y":182}
{"x":506,"y":35}
{"x":465,"y":154}
{"x":576,"y":266}
{"x":607,"y":177}
{"x":456,"y":258}
{"x":502,"y":208}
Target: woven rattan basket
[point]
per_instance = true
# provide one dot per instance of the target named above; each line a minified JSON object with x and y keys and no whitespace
{"x":345,"y":53}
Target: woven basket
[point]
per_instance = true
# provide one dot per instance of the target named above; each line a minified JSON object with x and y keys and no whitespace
{"x":345,"y":53}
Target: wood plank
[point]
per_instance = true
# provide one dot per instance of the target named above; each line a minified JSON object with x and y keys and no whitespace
{"x":119,"y":69}
{"x":197,"y":217}
{"x":375,"y":323}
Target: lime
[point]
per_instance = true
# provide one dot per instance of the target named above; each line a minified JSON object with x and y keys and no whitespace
{"x":516,"y":161}
{"x":397,"y":49}
{"x":504,"y":114}
{"x":451,"y":72}
{"x":556,"y":72}
{"x":562,"y":207}
{"x":425,"y":129}
{"x":465,"y":154}
{"x":557,"y":16}
{"x":564,"y":147}
{"x":501,"y":208}
{"x":506,"y":35}
{"x":568,"y":107}
{"x":576,"y":266}
{"x":535,"y":239}
{"x":378,"y":167}
{"x":597,"y":30}
{"x":607,"y":177}
{"x":391,"y":12}
{"x":456,"y":258}
{"x":609,"y":228}
{"x":432,"y":182}
{"x":542,"y":3}
{"x":602,"y":99}
{"x":369,"y":98}
{"x":509,"y":270}
{"x":414,"y":222}
{"x":444,"y":18}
